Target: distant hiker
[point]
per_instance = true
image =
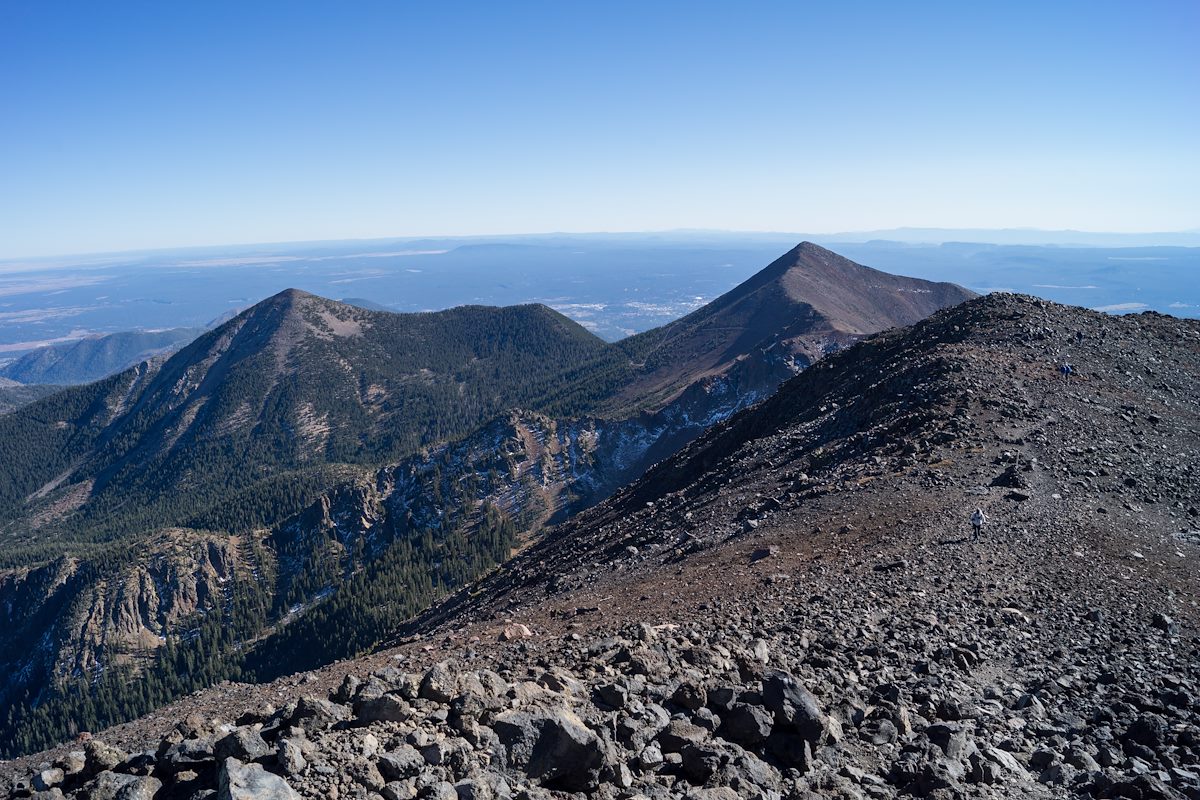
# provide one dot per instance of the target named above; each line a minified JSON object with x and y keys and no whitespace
{"x":977,"y":520}
{"x":1066,"y":370}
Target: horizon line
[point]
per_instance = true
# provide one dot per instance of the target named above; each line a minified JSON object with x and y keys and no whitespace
{"x":646,"y":232}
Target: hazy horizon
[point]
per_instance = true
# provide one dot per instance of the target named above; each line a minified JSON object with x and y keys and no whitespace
{"x":908,"y":234}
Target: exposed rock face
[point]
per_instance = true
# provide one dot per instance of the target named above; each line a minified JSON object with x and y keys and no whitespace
{"x":81,"y":619}
{"x":535,"y":469}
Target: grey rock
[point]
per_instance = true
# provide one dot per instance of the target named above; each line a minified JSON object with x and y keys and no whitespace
{"x":188,"y":754}
{"x":48,"y":779}
{"x":1149,"y":730}
{"x":1081,"y":759}
{"x":791,"y":750}
{"x":712,"y":793}
{"x":689,"y":696}
{"x":1060,"y":773}
{"x":553,"y":747}
{"x":794,"y":706}
{"x":940,"y":773}
{"x":289,"y":755}
{"x":384,"y":708}
{"x":650,"y":757}
{"x":143,"y":787}
{"x":48,"y":794}
{"x":951,"y":738}
{"x":348,"y":690}
{"x":612,"y":695}
{"x":722,"y":698}
{"x":878,"y":731}
{"x":437,"y":753}
{"x":701,"y":761}
{"x":114,"y":786}
{"x":403,"y":762}
{"x":73,"y":762}
{"x":101,"y":756}
{"x":442,"y":790}
{"x":472,"y":789}
{"x":440,"y":684}
{"x":1043,"y":757}
{"x":1005,"y":761}
{"x":399,"y":790}
{"x":244,"y":744}
{"x":679,"y":734}
{"x":238,"y":781}
{"x":747,"y":725}
{"x":315,"y":714}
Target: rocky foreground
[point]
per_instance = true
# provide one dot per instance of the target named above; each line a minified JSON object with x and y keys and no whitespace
{"x":793,"y":608}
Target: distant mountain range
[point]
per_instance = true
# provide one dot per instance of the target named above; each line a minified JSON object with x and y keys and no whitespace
{"x":313,"y":467}
{"x":613,"y":284}
{"x":94,"y":357}
{"x":1021,"y":236}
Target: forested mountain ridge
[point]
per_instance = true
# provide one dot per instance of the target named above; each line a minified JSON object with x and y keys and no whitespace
{"x":302,"y":412}
{"x":292,"y":384}
{"x":94,"y":357}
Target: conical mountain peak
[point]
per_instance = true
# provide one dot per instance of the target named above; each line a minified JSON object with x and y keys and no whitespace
{"x":812,"y":250}
{"x":290,"y":293}
{"x":804,"y":304}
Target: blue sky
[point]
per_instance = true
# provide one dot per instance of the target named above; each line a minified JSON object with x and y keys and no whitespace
{"x":132,"y":125}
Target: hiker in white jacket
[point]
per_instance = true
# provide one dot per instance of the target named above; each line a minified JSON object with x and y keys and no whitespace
{"x":977,"y":520}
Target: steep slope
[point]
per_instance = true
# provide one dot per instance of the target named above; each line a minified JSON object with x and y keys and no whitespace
{"x":95,"y":357}
{"x":792,"y":606}
{"x":1056,"y":655}
{"x":343,"y":448}
{"x":805,"y":304}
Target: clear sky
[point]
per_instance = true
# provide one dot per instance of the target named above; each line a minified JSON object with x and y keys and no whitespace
{"x":153,"y":124}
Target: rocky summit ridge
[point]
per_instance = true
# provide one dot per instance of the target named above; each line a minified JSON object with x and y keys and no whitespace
{"x":793,"y":607}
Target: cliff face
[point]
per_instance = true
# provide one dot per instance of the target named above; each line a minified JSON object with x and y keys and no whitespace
{"x":73,"y":618}
{"x":533,"y":468}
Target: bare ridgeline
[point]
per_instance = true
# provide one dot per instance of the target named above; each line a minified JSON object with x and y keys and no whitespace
{"x":791,"y":606}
